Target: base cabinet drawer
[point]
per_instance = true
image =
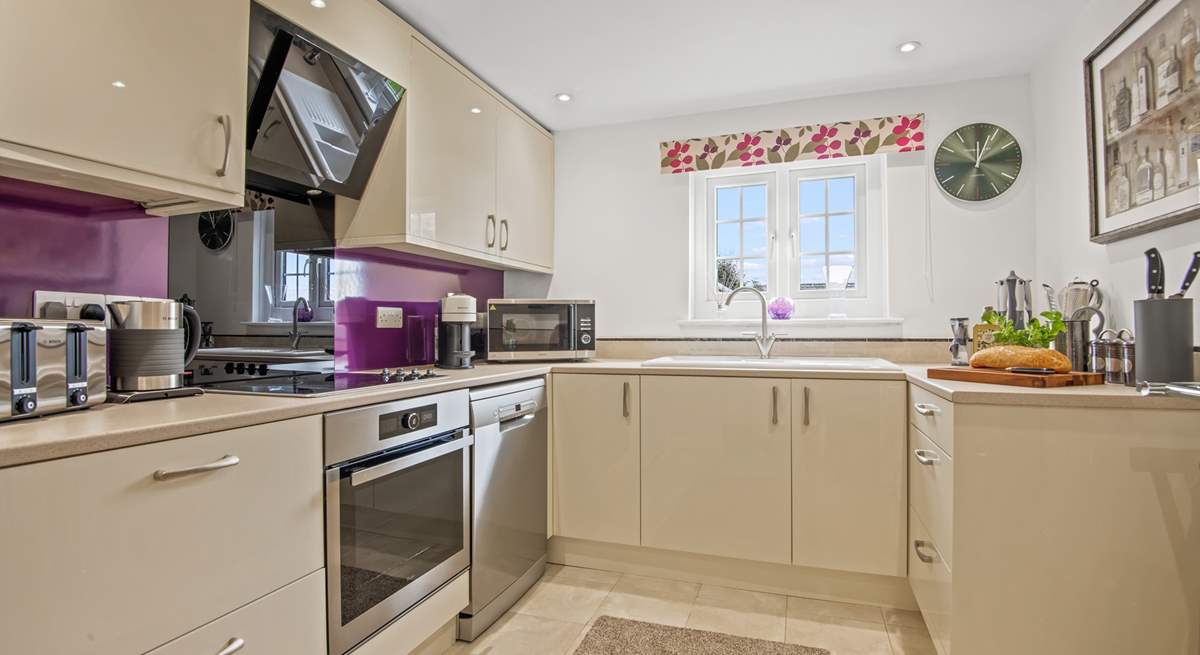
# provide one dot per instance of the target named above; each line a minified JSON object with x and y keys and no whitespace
{"x":931,"y":581}
{"x":931,"y":489}
{"x":290,"y":620}
{"x":933,"y":415}
{"x":140,"y":545}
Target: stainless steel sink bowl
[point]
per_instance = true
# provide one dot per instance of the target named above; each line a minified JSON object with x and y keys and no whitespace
{"x":774,"y":363}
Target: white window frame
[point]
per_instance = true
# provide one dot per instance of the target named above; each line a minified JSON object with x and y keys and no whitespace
{"x":869,"y":297}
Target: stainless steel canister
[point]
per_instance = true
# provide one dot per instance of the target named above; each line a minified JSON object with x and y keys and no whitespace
{"x":1074,"y":344}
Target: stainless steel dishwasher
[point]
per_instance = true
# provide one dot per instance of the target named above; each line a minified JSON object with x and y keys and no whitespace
{"x":508,"y":499}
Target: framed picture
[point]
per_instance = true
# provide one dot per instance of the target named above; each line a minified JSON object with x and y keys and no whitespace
{"x":1143,"y":122}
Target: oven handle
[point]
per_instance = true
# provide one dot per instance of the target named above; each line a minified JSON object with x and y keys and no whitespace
{"x":408,"y":461}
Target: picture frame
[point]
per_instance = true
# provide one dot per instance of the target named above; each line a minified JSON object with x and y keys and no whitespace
{"x":1142,"y":115}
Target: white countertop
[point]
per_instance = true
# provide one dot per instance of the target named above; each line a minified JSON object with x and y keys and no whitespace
{"x":106,"y":427}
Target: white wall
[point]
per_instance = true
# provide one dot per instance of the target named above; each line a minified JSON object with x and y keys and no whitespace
{"x":1063,"y":247}
{"x":622,"y":229}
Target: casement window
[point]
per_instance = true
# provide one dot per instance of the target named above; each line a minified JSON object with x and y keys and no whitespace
{"x":811,"y":231}
{"x":299,"y":274}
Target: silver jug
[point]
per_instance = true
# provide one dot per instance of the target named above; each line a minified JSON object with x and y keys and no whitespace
{"x":1014,"y":299}
{"x":1078,"y":294}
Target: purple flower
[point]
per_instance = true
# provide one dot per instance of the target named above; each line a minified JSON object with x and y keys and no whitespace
{"x":781,"y":308}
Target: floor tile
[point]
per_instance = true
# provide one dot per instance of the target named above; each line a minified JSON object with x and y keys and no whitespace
{"x":522,"y":634}
{"x":817,"y":608}
{"x":910,"y":640}
{"x":737,"y":612}
{"x":910,"y":618}
{"x":567,"y":594}
{"x":839,"y":636}
{"x":650,"y":599}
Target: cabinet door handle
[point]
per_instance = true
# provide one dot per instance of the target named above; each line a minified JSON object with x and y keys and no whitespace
{"x":918,"y":545}
{"x":504,"y":234}
{"x":927,"y":409}
{"x":774,"y":405}
{"x":926,"y":457}
{"x":806,"y":394}
{"x":490,"y":230}
{"x":625,"y":400}
{"x":233,"y":646}
{"x":223,"y":463}
{"x":227,"y":125}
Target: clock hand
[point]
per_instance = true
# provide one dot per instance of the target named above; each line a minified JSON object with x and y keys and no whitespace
{"x":977,"y":151}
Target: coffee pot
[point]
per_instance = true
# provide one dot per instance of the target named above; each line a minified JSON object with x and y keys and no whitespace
{"x":1014,"y":299}
{"x":150,"y":344}
{"x":1075,"y":295}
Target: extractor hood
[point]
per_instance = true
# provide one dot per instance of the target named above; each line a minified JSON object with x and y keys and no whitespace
{"x":317,"y":117}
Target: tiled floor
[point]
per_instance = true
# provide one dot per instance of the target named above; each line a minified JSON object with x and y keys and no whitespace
{"x":553,"y":617}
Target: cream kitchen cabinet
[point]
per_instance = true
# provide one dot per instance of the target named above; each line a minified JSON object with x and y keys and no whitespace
{"x":524,"y":191}
{"x":848,"y":475}
{"x":121,"y":551}
{"x":716,"y":466}
{"x":597,"y":454}
{"x":139,"y":99}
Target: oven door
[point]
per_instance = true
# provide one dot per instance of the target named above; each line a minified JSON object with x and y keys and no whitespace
{"x":397,"y":528}
{"x":531,"y":331}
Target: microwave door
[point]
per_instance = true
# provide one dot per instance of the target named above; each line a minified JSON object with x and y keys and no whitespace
{"x":531,"y":329}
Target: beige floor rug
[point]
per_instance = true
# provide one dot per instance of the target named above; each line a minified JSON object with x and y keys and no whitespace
{"x":613,"y":636}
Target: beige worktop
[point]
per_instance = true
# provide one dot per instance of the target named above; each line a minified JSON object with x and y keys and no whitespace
{"x":106,"y":427}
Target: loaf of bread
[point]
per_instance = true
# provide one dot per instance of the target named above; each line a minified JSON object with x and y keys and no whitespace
{"x":1022,"y":356}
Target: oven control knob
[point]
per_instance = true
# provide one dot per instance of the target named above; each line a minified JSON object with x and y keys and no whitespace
{"x":228,"y":367}
{"x":241,"y":368}
{"x":585,"y":339}
{"x":262,"y":369}
{"x":412,"y":420}
{"x":24,"y":405}
{"x":78,"y":397}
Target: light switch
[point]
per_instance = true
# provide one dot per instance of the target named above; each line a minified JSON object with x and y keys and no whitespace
{"x":389,"y":317}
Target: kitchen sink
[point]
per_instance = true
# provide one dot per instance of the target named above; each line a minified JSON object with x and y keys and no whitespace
{"x":774,"y":363}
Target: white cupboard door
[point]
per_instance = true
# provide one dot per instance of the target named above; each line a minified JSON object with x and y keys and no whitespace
{"x":140,"y":84}
{"x":597,"y":449}
{"x":120,"y":551}
{"x":848,"y":462}
{"x":452,"y":156}
{"x":716,"y":466}
{"x":524,"y":190}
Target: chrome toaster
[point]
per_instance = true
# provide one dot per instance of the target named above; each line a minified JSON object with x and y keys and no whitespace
{"x":49,"y":366}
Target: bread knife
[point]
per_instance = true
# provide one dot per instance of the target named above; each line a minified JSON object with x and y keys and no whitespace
{"x":1189,"y":277}
{"x":1155,"y":278}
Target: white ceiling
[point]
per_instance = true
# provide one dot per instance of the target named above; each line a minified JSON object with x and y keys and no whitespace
{"x":628,"y":60}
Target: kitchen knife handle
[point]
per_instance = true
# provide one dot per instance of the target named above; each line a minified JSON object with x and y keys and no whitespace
{"x":1155,"y":283}
{"x":1191,"y":273}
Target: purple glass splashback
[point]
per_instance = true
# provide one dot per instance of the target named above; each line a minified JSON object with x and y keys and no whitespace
{"x":367,"y":278}
{"x":59,"y":239}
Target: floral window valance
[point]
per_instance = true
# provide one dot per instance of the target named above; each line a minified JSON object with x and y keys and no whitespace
{"x":821,"y":141}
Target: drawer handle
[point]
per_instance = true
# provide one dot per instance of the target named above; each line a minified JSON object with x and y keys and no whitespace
{"x":625,"y":400}
{"x":233,"y":646}
{"x":774,"y":405}
{"x":927,"y":409}
{"x":926,"y":457}
{"x":227,"y":126}
{"x":918,"y":545}
{"x":223,"y":463}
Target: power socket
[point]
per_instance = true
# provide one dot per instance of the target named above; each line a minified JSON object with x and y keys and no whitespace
{"x":389,"y":317}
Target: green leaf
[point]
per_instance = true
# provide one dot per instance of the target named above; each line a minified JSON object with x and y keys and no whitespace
{"x":702,"y":164}
{"x":774,"y":157}
{"x":852,"y":149}
{"x":890,"y":139}
{"x":872,"y":145}
{"x":809,"y":147}
{"x":711,"y":143}
{"x":784,"y":134}
{"x":793,"y":151}
{"x":719,"y":160}
{"x":862,"y":126}
{"x":666,"y":162}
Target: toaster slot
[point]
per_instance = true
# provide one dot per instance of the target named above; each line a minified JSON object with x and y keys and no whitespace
{"x":77,"y":364}
{"x":23,"y":362}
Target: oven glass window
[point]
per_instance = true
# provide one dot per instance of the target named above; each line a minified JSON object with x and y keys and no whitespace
{"x":396,"y":528}
{"x":527,"y":328}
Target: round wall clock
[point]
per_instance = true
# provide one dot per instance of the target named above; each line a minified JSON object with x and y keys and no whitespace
{"x":977,"y":162}
{"x":215,"y":229}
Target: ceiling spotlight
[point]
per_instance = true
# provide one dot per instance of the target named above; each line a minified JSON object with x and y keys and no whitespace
{"x":118,"y":84}
{"x":908,"y":46}
{"x":476,"y":110}
{"x":319,"y":4}
{"x":563,"y":97}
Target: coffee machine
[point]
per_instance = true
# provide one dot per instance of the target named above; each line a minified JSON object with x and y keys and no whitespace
{"x":454,"y":333}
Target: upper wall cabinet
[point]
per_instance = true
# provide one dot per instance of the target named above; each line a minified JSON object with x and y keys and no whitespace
{"x":524,"y":191}
{"x":139,"y":99}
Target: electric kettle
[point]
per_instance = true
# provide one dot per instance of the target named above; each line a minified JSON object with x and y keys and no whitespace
{"x":151,"y":343}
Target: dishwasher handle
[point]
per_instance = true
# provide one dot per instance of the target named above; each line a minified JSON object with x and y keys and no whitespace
{"x":523,"y":409}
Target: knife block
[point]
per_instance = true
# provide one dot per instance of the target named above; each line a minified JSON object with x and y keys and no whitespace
{"x":1164,"y":332}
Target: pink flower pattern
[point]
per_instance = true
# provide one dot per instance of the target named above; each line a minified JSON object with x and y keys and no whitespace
{"x":822,"y":141}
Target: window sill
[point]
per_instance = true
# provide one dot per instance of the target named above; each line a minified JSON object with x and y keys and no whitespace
{"x":791,"y":322}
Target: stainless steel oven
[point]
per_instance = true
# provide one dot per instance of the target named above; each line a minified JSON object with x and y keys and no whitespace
{"x":538,"y":329}
{"x":397,"y":509}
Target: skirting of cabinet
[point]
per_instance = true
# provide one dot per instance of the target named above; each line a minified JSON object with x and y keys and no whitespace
{"x":884,"y":591}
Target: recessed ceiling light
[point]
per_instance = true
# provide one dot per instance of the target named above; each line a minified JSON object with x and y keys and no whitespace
{"x":118,"y":84}
{"x":908,"y":46}
{"x":476,"y":110}
{"x":563,"y":97}
{"x":319,"y":4}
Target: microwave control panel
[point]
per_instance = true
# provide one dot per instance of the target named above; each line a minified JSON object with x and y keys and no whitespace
{"x":585,"y":319}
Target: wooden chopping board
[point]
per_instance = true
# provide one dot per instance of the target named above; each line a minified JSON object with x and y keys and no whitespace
{"x":997,"y":376}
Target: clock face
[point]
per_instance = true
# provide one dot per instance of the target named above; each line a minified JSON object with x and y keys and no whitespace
{"x":215,"y":229}
{"x":977,"y":162}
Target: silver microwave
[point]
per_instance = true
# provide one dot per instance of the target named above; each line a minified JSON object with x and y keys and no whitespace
{"x":525,"y":329}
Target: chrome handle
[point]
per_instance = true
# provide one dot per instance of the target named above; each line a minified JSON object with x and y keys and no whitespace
{"x":223,"y":463}
{"x":625,"y":400}
{"x":774,"y":405}
{"x":918,"y":545}
{"x":409,"y":461}
{"x":806,"y":390}
{"x":926,"y":457}
{"x":504,"y":234}
{"x":233,"y":646}
{"x":927,"y":409}
{"x":227,"y":124}
{"x":490,"y":230}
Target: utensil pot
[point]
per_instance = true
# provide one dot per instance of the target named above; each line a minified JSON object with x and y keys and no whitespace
{"x":1165,"y":339}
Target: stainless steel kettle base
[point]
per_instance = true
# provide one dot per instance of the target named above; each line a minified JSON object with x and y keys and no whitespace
{"x":121,"y":398}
